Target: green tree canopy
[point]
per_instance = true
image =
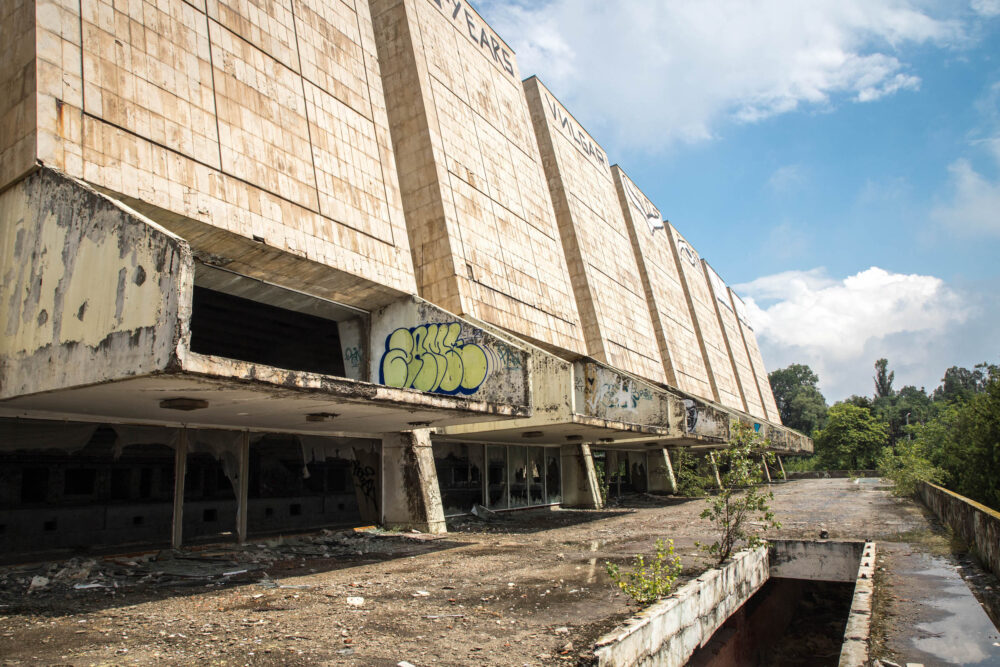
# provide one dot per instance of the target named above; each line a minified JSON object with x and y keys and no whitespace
{"x":960,"y":384}
{"x":883,"y":379}
{"x":799,"y":400}
{"x":852,"y":438}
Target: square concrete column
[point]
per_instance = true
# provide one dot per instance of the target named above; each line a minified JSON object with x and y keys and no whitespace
{"x":782,"y":466}
{"x":661,"y":472}
{"x":411,"y":497}
{"x":180,"y":471}
{"x":767,"y":473}
{"x":579,"y":477}
{"x":243,"y":489}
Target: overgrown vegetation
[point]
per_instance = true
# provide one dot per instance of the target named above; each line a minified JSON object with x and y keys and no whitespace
{"x":646,"y":584}
{"x":949,"y":436}
{"x":741,"y":500}
{"x":692,"y":472}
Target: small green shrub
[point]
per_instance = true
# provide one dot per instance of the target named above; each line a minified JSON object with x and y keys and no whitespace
{"x":907,"y":467}
{"x":645,"y":584}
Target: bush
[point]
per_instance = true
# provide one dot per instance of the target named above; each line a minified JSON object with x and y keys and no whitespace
{"x":907,"y":467}
{"x":645,"y":584}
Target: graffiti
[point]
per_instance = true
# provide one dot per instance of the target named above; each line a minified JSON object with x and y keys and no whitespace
{"x":509,"y":359}
{"x":651,"y":214}
{"x":624,"y":394}
{"x":687,"y":252}
{"x":430,"y":357}
{"x":353,"y":356}
{"x":692,"y":415}
{"x":583,"y":142}
{"x":486,"y":41}
{"x":756,"y":427}
{"x":364,"y":479}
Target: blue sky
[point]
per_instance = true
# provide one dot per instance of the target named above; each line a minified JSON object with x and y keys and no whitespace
{"x":837,"y":161}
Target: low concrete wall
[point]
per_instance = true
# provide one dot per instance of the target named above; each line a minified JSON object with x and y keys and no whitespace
{"x":668,"y":632}
{"x":854,"y":650}
{"x":975,"y":523}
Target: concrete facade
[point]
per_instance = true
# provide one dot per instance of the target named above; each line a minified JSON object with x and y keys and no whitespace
{"x":339,"y":239}
{"x":484,"y":236}
{"x":609,"y":292}
{"x":683,"y":363}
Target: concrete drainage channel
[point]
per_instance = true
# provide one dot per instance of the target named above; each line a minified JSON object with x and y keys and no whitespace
{"x":791,"y":602}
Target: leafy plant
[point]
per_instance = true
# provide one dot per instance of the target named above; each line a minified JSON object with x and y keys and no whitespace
{"x":647,"y":584}
{"x":741,"y":499}
{"x":691,"y":479}
{"x":907,"y":467}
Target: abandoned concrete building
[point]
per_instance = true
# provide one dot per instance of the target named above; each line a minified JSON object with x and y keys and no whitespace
{"x":276,"y":266}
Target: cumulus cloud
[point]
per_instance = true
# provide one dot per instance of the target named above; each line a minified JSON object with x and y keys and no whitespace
{"x":986,"y":7}
{"x":645,"y":73}
{"x":974,"y":207}
{"x":839,"y":327}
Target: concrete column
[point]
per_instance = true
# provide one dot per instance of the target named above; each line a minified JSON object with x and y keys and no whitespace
{"x":243,"y":489}
{"x":579,"y":477}
{"x":715,"y":469}
{"x":661,"y":472}
{"x":180,"y":471}
{"x":767,"y":473}
{"x":782,"y":466}
{"x":411,"y":497}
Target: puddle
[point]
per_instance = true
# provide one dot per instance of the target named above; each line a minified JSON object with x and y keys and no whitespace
{"x":958,"y":631}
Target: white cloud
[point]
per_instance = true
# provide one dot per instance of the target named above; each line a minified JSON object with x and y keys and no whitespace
{"x":786,"y":178}
{"x":839,"y":327}
{"x":646,"y":73}
{"x":986,"y":7}
{"x":975,"y":203}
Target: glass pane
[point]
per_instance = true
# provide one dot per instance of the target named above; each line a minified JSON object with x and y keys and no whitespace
{"x":496,"y":477}
{"x":517,"y":474}
{"x":536,"y":476}
{"x":553,"y":476}
{"x":459,"y":472}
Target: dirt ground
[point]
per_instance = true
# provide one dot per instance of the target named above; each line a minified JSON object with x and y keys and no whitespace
{"x":527,"y":590}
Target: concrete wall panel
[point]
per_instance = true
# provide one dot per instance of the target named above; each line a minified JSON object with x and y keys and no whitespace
{"x":746,"y":379}
{"x":701,"y":302}
{"x":675,"y":332}
{"x":484,"y":237}
{"x":756,"y":360}
{"x":264,"y":120}
{"x":17,"y":89}
{"x":90,"y":291}
{"x":609,"y":291}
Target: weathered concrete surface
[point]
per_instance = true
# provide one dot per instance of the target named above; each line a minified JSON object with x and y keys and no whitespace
{"x":756,"y":360}
{"x":411,"y":497}
{"x":823,"y":560}
{"x":91,"y":291}
{"x":974,"y":522}
{"x":415,"y":344}
{"x":667,"y":633}
{"x":854,"y":652}
{"x":18,"y":77}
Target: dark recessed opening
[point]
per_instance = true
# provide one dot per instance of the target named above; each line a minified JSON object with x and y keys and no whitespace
{"x":146,"y":483}
{"x":3,"y":528}
{"x":236,"y":328}
{"x":138,"y":520}
{"x":295,"y":509}
{"x":268,"y":511}
{"x":34,"y":485}
{"x":80,"y":482}
{"x":210,"y":515}
{"x":49,"y":526}
{"x":121,"y":483}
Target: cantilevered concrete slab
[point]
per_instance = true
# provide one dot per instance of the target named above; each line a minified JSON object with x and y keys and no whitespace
{"x":99,"y":309}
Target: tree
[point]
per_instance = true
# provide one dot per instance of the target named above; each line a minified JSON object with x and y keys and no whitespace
{"x":973,"y":452}
{"x":741,"y":500}
{"x":907,"y":466}
{"x":852,"y":439}
{"x":909,"y":405}
{"x":960,"y":384}
{"x":883,"y":379}
{"x":800,"y":402}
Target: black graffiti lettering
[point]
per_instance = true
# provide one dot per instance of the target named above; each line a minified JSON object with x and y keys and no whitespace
{"x":484,"y":40}
{"x":496,"y":48}
{"x":364,"y":477}
{"x":438,"y":3}
{"x":507,"y":65}
{"x":458,"y":6}
{"x":471,"y":24}
{"x":552,"y":107}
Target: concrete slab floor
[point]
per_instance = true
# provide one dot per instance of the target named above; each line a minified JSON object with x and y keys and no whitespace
{"x":527,"y":590}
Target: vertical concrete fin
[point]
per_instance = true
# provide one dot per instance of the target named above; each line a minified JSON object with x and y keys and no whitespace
{"x":411,"y":497}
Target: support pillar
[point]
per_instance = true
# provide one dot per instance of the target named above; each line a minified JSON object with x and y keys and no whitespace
{"x":579,"y":477}
{"x":767,"y":473}
{"x":782,"y":466}
{"x":243,"y":489}
{"x":411,"y":497}
{"x":180,"y":471}
{"x":661,"y":472}
{"x":715,"y":469}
